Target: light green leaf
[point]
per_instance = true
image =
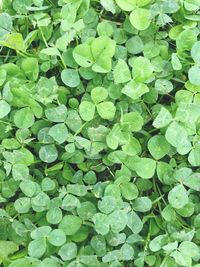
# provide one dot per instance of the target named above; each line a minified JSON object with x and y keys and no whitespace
{"x":106,"y":110}
{"x":56,"y":114}
{"x":163,"y":118}
{"x":70,"y":77}
{"x":135,"y":89}
{"x":68,"y":251}
{"x":109,"y":5}
{"x":37,"y":248}
{"x":142,"y":204}
{"x":107,"y":204}
{"x":70,"y":224}
{"x":134,"y":222}
{"x":59,"y":133}
{"x":57,"y":237}
{"x":7,"y":248}
{"x":83,"y":55}
{"x":101,"y":223}
{"x":163,"y":86}
{"x":178,"y":197}
{"x":129,"y":190}
{"x":142,"y":69}
{"x":127,"y":5}
{"x":177,"y":136}
{"x":134,"y":120}
{"x":24,"y":118}
{"x":140,"y":18}
{"x":48,"y":153}
{"x":144,"y":167}
{"x":194,"y":75}
{"x":121,"y":72}
{"x":87,"y":110}
{"x":158,"y":146}
{"x":99,"y":94}
{"x":4,"y":109}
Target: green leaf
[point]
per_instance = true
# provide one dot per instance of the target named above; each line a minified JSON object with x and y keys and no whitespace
{"x":57,"y":237}
{"x":106,"y":110}
{"x":178,"y":197}
{"x":13,"y":40}
{"x":177,"y":136}
{"x":140,"y":18}
{"x":7,"y":248}
{"x":134,"y":121}
{"x":22,"y":205}
{"x":5,"y":24}
{"x":195,"y":52}
{"x":59,"y":133}
{"x":157,"y":243}
{"x":193,"y":75}
{"x":186,"y":39}
{"x":176,"y":62}
{"x":83,"y":55}
{"x":142,"y":204}
{"x":68,"y":251}
{"x":87,"y":110}
{"x":163,"y":118}
{"x":118,"y":220}
{"x":135,"y":45}
{"x":135,"y":89}
{"x":163,"y":86}
{"x":101,"y":223}
{"x":121,"y":72}
{"x":70,"y":224}
{"x":134,"y":222}
{"x":70,"y":78}
{"x":158,"y":146}
{"x":37,"y":248}
{"x":24,"y":118}
{"x":107,"y":204}
{"x":54,"y":215}
{"x":142,"y":69}
{"x":194,"y":156}
{"x":129,"y":191}
{"x":193,"y":181}
{"x":144,"y":167}
{"x":4,"y":109}
{"x":56,"y":114}
{"x":126,"y":5}
{"x":31,"y":68}
{"x":48,"y":153}
{"x":86,"y":210}
{"x":20,"y":172}
{"x":99,"y":94}
{"x":109,"y":5}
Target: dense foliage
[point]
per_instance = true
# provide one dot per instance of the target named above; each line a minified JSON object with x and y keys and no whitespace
{"x":100,"y":133}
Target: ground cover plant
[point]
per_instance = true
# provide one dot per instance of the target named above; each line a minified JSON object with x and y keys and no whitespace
{"x":100,"y":133}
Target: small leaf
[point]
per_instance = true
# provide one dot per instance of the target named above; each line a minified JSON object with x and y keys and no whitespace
{"x":158,"y":146}
{"x":48,"y":153}
{"x":140,"y":18}
{"x":87,"y":110}
{"x":178,"y":197}
{"x":37,"y":248}
{"x":135,"y":89}
{"x":70,"y":224}
{"x":24,"y":118}
{"x":70,"y":78}
{"x":106,"y":110}
{"x":68,"y":251}
{"x":4,"y":109}
{"x":163,"y":118}
{"x":121,"y":72}
{"x":57,"y":237}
